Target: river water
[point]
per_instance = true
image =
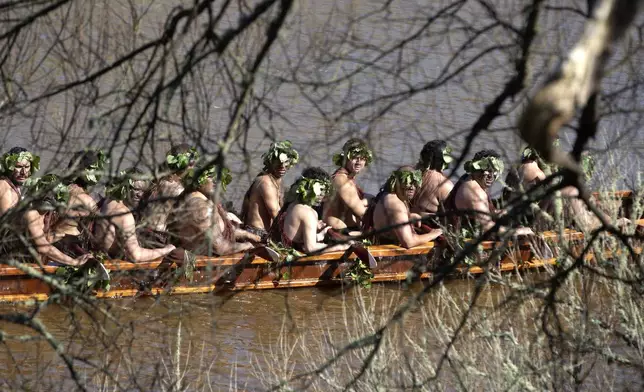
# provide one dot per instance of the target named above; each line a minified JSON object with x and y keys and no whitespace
{"x":229,"y":342}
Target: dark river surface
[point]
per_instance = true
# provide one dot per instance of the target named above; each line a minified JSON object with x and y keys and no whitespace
{"x":247,"y":340}
{"x":230,"y":339}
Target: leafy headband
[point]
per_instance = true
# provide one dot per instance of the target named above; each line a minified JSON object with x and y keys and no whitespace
{"x":492,"y":164}
{"x":588,"y":165}
{"x":120,"y":186}
{"x":447,"y":157}
{"x":405,"y":178}
{"x":182,"y":160}
{"x":9,"y":161}
{"x":308,"y":190}
{"x":353,"y":151}
{"x":50,"y":187}
{"x":92,"y":173}
{"x":282,"y":152}
{"x":211,"y":172}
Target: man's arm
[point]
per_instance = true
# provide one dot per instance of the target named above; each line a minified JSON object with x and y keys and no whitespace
{"x":126,"y":227}
{"x":310,"y":242}
{"x":243,"y":235}
{"x":207,"y":219}
{"x":478,"y":202}
{"x":348,"y":193}
{"x":270,"y":195}
{"x":399,"y":216}
{"x":81,"y":204}
{"x":5,"y":197}
{"x":44,"y":248}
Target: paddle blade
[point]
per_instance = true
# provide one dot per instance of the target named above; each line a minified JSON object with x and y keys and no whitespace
{"x":103,"y":273}
{"x":265,"y":253}
{"x":363,"y":254}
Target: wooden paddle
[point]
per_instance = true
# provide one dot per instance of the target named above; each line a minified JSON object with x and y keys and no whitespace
{"x":363,"y":254}
{"x":265,"y":253}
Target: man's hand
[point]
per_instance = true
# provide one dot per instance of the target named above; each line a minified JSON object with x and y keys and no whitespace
{"x":523,"y":231}
{"x":81,"y":260}
{"x":322,"y":225}
{"x":622,"y":222}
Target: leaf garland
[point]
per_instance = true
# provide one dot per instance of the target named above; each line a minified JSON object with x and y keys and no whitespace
{"x":588,"y":165}
{"x":82,"y":278}
{"x":50,"y":186}
{"x":93,"y":173}
{"x":447,"y":157}
{"x":358,"y":150}
{"x":211,"y":172}
{"x":182,"y":161}
{"x":492,"y":164}
{"x":120,"y":186}
{"x":282,"y":152}
{"x":308,"y":190}
{"x":404,"y":177}
{"x":9,"y":161}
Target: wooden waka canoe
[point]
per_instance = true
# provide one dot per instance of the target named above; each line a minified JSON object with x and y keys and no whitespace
{"x":237,"y":272}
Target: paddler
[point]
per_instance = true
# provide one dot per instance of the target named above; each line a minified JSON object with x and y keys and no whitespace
{"x":264,"y":197}
{"x":16,"y":167}
{"x":199,"y":225}
{"x":85,"y":170}
{"x":575,"y":211}
{"x":469,"y":203}
{"x":162,"y":195}
{"x":43,"y":222}
{"x":435,"y":158}
{"x":391,"y":213}
{"x":297,"y":225}
{"x":347,"y":202}
{"x":116,"y":233}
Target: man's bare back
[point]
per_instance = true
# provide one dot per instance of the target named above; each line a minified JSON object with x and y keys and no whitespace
{"x":345,"y":207}
{"x":161,"y":202}
{"x":202,"y":229}
{"x":347,"y":203}
{"x":264,"y":198}
{"x":116,"y":234}
{"x":392,"y":210}
{"x":264,"y":202}
{"x":9,"y":195}
{"x":433,"y":192}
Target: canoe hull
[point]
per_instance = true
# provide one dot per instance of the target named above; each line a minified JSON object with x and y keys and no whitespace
{"x":236,"y":272}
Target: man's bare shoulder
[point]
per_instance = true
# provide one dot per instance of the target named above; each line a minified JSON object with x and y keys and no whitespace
{"x":31,"y":216}
{"x":340,"y":179}
{"x":391,"y":202}
{"x":116,"y":207}
{"x":167,"y":188}
{"x":472,"y":191}
{"x":265,"y":184}
{"x":82,"y":200}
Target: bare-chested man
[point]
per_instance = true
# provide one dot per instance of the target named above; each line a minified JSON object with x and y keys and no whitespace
{"x":347,"y":203}
{"x":470,"y":194}
{"x":116,"y":233}
{"x":43,"y":221}
{"x":297,"y":225}
{"x":434,"y":159}
{"x":263,"y":199}
{"x":162,"y":195}
{"x":391,"y":211}
{"x":17,"y":166}
{"x":200,"y":226}
{"x":526,"y":175}
{"x":86,"y":169}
